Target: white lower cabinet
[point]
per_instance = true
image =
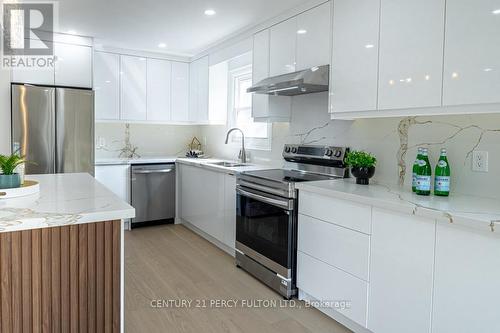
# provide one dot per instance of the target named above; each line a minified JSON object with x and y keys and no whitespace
{"x":401,"y":273}
{"x":116,"y":178}
{"x":466,"y":293}
{"x":340,"y":291}
{"x":208,"y":202}
{"x":202,"y":199}
{"x":335,"y":245}
{"x":230,"y":211}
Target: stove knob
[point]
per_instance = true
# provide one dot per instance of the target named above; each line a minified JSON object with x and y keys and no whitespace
{"x":338,"y":153}
{"x":294,"y":150}
{"x":329,"y":153}
{"x":287,"y":149}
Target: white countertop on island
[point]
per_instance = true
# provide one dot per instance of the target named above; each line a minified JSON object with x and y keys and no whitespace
{"x":64,"y":199}
{"x":463,"y":209}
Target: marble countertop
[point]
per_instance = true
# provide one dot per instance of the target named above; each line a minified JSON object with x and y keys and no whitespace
{"x":461,"y":209}
{"x":63,"y":199}
{"x":206,"y":163}
{"x":141,"y":160}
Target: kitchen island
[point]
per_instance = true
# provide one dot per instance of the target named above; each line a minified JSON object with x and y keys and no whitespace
{"x":61,"y":257}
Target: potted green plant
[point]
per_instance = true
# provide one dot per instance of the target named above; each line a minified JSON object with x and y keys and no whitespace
{"x":8,"y":164}
{"x":362,"y":166}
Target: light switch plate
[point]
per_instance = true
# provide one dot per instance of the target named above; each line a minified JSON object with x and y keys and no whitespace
{"x":480,"y":161}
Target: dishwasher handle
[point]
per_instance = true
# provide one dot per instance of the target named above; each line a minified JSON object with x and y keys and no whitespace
{"x":149,"y":171}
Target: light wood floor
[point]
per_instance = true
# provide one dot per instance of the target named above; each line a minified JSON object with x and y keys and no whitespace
{"x":173,"y":263}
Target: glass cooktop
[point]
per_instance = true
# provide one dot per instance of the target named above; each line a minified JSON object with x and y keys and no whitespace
{"x":288,"y":176}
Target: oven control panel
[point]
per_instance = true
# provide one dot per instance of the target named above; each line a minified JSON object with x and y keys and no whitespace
{"x":291,"y":151}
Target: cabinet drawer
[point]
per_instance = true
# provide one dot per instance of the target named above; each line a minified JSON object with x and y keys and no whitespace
{"x":341,"y":212}
{"x":340,"y":247}
{"x":329,"y":284}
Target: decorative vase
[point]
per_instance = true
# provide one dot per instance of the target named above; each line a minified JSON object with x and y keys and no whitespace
{"x":10,"y":181}
{"x":363,"y":174}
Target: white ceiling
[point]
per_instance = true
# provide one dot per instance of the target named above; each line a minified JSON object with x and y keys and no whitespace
{"x":181,"y":24}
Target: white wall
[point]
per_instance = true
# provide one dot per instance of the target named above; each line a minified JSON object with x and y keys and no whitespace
{"x":4,"y":111}
{"x":381,"y":136}
{"x":152,"y":140}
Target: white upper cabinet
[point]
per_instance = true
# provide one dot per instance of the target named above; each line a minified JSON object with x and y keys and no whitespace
{"x":283,"y":42}
{"x":313,"y":37}
{"x":198,"y":90}
{"x":260,"y":71}
{"x":401,"y":273}
{"x":73,"y":66}
{"x":133,"y":87}
{"x":472,"y":52}
{"x":36,"y":75}
{"x":158,"y":90}
{"x":354,"y":70}
{"x":107,"y":85}
{"x":411,"y":53}
{"x":180,"y":91}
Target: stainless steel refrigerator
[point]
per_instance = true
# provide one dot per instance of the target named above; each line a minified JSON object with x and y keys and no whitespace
{"x":54,"y":128}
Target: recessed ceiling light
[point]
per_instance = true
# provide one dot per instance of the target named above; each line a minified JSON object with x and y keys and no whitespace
{"x":162,"y":45}
{"x":302,"y":31}
{"x":72,"y":32}
{"x":488,"y":69}
{"x":369,"y":46}
{"x":496,"y":12}
{"x":210,"y":12}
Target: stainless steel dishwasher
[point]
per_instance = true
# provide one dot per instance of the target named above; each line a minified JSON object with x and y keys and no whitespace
{"x":153,"y":193}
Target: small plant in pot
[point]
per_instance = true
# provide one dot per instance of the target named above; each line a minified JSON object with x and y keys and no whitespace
{"x":8,"y":177}
{"x":362,"y":166}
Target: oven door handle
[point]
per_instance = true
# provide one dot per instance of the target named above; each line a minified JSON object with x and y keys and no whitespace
{"x":285,"y":204}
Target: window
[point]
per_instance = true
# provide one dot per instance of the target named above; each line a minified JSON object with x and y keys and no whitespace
{"x":257,"y":135}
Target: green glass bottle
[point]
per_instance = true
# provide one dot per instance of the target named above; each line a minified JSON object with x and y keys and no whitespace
{"x":416,"y":165}
{"x":424,"y":174}
{"x":442,"y":175}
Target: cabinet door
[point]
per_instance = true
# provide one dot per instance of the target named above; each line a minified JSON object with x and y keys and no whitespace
{"x":260,"y":71}
{"x":107,"y":85}
{"x":73,"y":67}
{"x":354,"y":70}
{"x":193,"y":90}
{"x":180,"y":91}
{"x":283,"y":42}
{"x":159,"y":90}
{"x":203,"y":208}
{"x":203,"y":78}
{"x":466,"y":295}
{"x":230,"y":211}
{"x":472,"y":52}
{"x":329,"y":284}
{"x":116,"y":178}
{"x":313,"y":37}
{"x":133,"y":88}
{"x":411,"y":53}
{"x":36,"y":75}
{"x":401,"y":273}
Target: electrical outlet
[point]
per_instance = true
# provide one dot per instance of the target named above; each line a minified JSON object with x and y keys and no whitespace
{"x":480,"y":161}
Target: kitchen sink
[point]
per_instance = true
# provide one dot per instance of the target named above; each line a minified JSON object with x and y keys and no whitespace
{"x":228,"y":164}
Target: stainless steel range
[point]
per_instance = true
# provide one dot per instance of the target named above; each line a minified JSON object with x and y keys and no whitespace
{"x":266,"y":212}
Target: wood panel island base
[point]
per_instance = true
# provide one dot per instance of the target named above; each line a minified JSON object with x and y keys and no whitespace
{"x":61,"y":258}
{"x":61,"y":279}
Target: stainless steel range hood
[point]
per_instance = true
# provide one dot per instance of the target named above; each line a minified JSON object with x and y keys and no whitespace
{"x":307,"y":81}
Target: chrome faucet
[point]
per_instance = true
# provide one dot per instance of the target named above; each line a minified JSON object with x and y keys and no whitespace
{"x":243,"y":155}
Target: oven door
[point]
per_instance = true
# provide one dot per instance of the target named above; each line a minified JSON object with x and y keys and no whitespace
{"x":265,"y":229}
